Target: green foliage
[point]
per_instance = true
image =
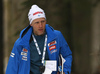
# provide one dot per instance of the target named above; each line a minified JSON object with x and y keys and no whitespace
{"x":27,"y":4}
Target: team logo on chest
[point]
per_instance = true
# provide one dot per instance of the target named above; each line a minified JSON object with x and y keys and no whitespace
{"x":24,"y":54}
{"x":52,"y":43}
{"x":52,"y":46}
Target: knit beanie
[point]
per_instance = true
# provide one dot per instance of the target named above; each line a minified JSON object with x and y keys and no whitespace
{"x":35,"y":12}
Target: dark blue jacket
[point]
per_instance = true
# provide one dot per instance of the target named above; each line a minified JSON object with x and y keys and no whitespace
{"x":19,"y":61}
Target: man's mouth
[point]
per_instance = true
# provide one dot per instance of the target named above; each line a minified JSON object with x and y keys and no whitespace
{"x":40,"y":29}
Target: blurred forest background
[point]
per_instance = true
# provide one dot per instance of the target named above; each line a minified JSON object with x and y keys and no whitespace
{"x":78,"y":20}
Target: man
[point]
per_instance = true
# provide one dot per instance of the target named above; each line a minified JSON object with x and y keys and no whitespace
{"x":38,"y":48}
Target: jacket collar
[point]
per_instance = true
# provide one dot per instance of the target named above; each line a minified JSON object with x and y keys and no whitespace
{"x":50,"y":33}
{"x":26,"y":33}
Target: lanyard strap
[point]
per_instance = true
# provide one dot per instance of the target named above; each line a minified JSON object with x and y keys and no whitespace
{"x":37,"y":47}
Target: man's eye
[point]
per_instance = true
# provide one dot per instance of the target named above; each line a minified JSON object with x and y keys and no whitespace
{"x":42,"y":21}
{"x":36,"y":22}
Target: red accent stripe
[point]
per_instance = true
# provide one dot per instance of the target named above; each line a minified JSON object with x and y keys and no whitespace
{"x":51,"y":43}
{"x":25,"y":50}
{"x":38,"y":13}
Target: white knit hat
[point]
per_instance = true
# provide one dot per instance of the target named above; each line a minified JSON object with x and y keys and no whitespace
{"x":35,"y":12}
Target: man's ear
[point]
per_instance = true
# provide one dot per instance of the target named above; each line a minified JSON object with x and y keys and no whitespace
{"x":30,"y":24}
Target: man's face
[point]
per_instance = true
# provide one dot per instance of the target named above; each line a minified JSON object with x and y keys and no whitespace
{"x":39,"y":26}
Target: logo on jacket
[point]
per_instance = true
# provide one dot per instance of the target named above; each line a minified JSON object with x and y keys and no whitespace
{"x":52,"y":43}
{"x":52,"y":47}
{"x":24,"y":54}
{"x":12,"y":54}
{"x":53,"y":51}
{"x":38,"y":13}
{"x":25,"y":50}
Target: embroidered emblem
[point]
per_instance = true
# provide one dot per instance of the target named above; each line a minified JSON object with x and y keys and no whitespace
{"x":37,"y":13}
{"x":25,"y":50}
{"x":24,"y":54}
{"x":52,"y":47}
{"x":53,"y":51}
{"x":52,"y":43}
{"x":12,"y":54}
{"x":24,"y":58}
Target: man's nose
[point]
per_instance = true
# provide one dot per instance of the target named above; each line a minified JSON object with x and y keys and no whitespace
{"x":40,"y":24}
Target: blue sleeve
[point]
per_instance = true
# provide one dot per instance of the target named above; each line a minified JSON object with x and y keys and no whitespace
{"x":12,"y":67}
{"x":66,"y":54}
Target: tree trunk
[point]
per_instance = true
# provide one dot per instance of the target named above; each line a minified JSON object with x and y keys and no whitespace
{"x":95,"y":46}
{"x":1,"y":39}
{"x":12,"y":24}
{"x":5,"y":32}
{"x":81,"y":15}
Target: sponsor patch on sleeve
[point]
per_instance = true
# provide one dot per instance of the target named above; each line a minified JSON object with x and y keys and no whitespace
{"x":24,"y":58}
{"x":12,"y":54}
{"x":24,"y":54}
{"x":25,"y":50}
